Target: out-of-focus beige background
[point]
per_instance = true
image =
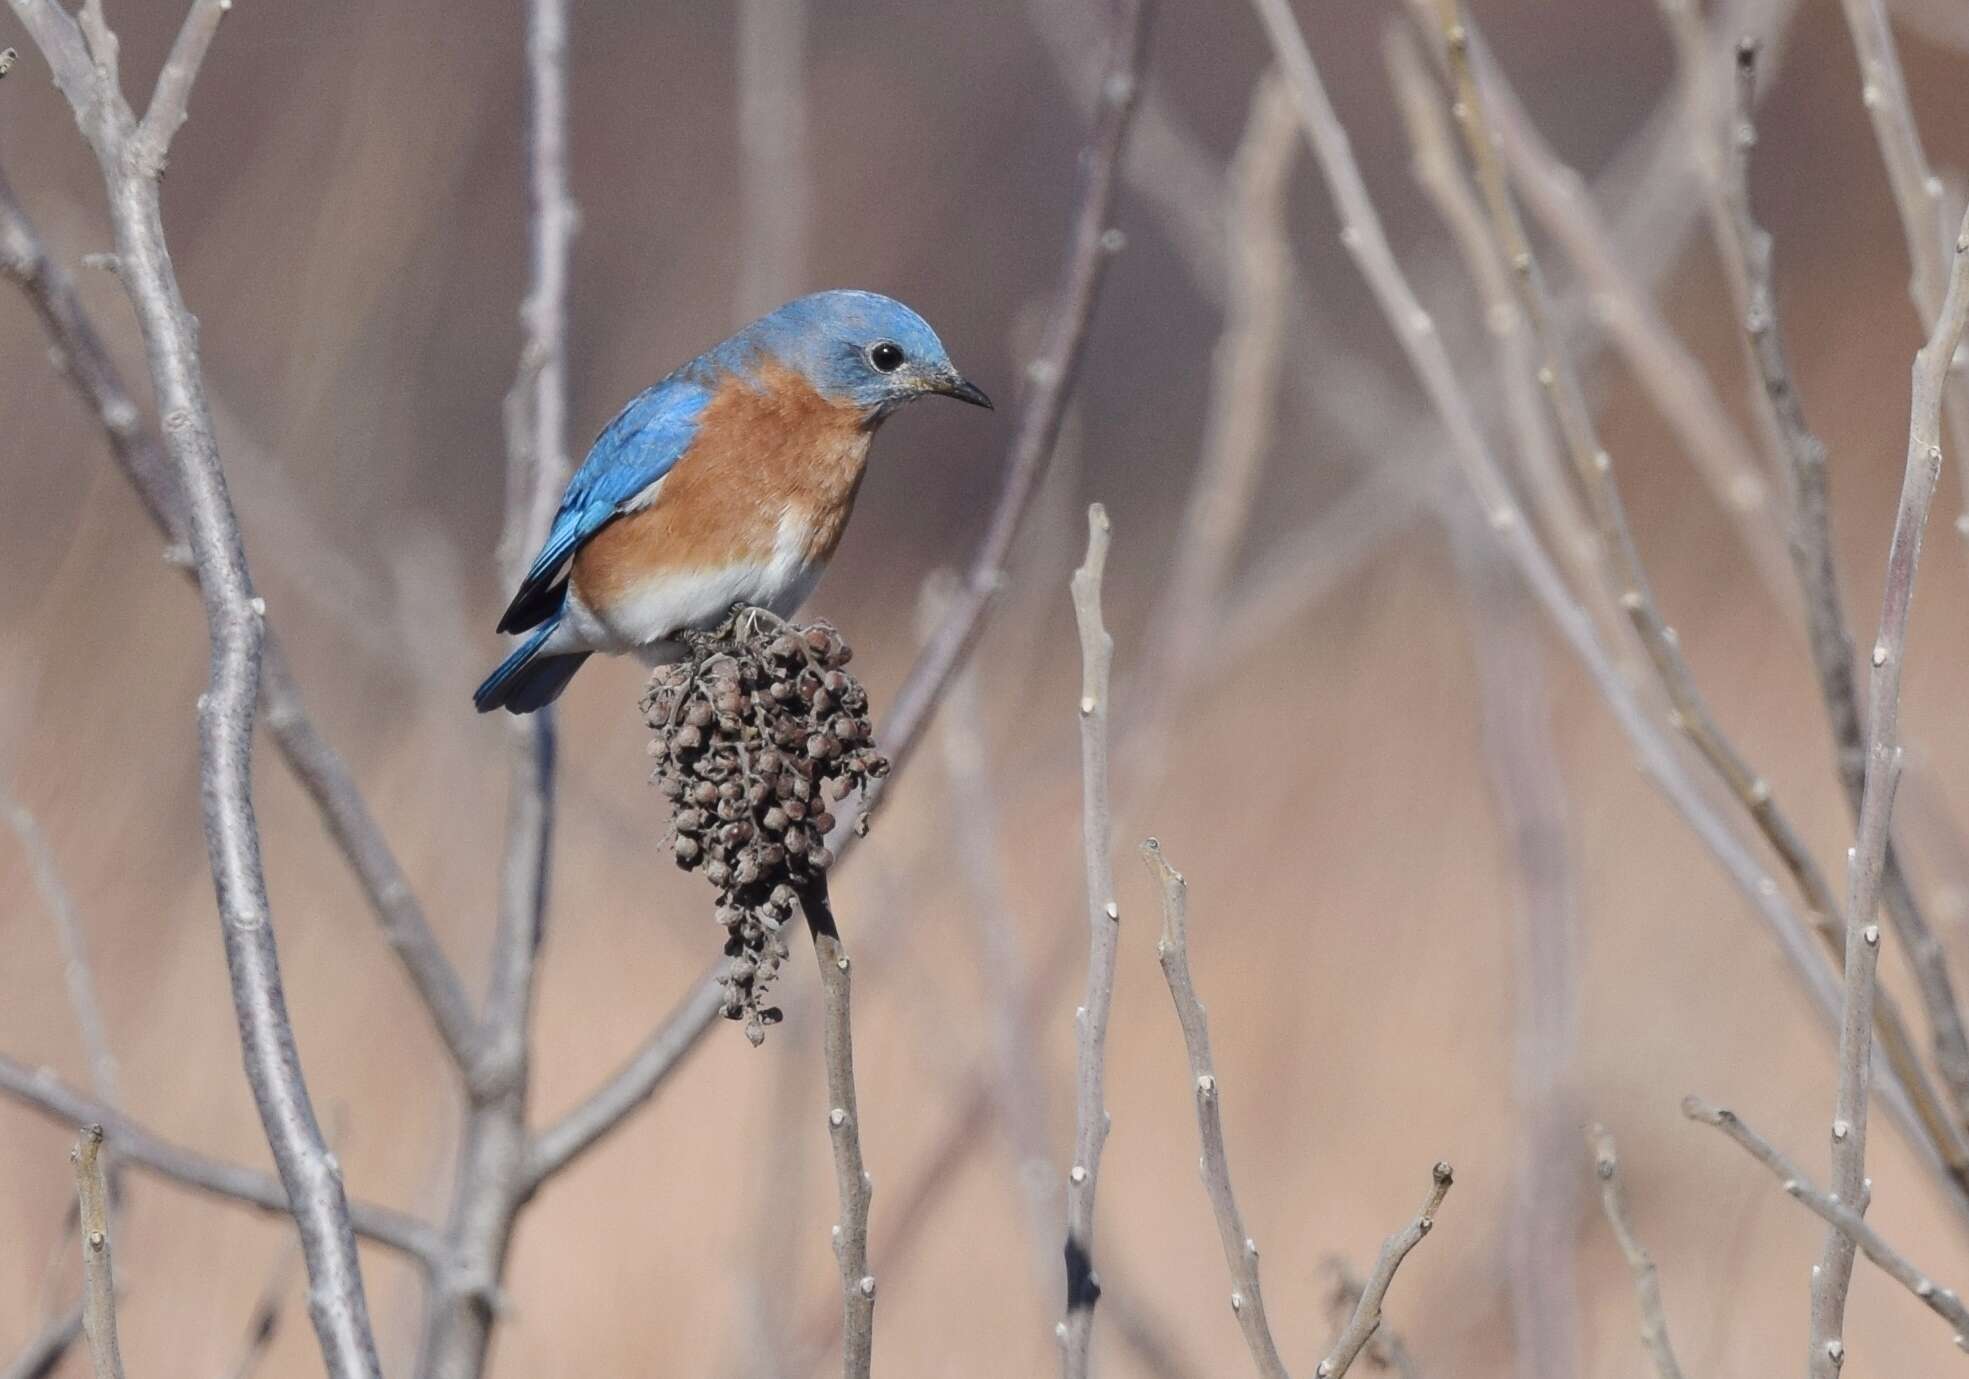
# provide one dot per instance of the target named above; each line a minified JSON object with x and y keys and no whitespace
{"x":346,"y":211}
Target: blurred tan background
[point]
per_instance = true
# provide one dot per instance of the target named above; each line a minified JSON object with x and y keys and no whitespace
{"x":346,"y":211}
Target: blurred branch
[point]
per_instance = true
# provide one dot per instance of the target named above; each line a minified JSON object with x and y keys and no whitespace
{"x":131,"y":156}
{"x":43,"y":1355}
{"x":844,"y":1132}
{"x":1943,"y":1302}
{"x":1676,"y":383}
{"x":1050,"y":376}
{"x":1940,"y":22}
{"x":1367,"y":1312}
{"x":1238,"y":423}
{"x":1920,"y":196}
{"x":1746,"y":242}
{"x":1528,"y":791}
{"x":308,"y":755}
{"x":1883,"y":768}
{"x":1647,"y":1282}
{"x":493,"y":1183}
{"x":134,"y":1144}
{"x":1364,"y":238}
{"x":1103,"y":925}
{"x":76,"y":972}
{"x":775,"y":181}
{"x":98,"y":1276}
{"x":264,"y":1325}
{"x":1240,"y":1250}
{"x":1594,"y":467}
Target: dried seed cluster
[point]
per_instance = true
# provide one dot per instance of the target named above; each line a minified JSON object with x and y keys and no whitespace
{"x":757,"y":732}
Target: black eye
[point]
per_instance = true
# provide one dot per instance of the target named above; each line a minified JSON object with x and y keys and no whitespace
{"x":885,"y":355}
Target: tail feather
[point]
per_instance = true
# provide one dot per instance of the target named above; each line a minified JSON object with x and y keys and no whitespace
{"x":526,"y":680}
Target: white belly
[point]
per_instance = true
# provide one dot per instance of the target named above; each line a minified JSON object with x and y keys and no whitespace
{"x":645,"y":621}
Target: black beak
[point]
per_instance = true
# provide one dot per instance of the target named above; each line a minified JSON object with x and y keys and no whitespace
{"x":966,"y":391}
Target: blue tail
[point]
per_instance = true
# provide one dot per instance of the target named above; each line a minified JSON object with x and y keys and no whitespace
{"x":526,"y":680}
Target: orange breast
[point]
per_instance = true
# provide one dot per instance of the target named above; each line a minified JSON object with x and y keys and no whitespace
{"x":770,"y":458}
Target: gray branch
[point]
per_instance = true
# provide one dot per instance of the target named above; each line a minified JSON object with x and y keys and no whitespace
{"x":1076,"y":1331}
{"x":1647,"y":1282}
{"x":98,"y":1275}
{"x":1240,"y":1250}
{"x":1943,"y":1302}
{"x":1366,"y":1319}
{"x":130,"y":162}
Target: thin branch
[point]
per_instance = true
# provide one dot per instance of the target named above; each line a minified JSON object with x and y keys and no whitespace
{"x":1835,"y":1212}
{"x":1367,"y":1312}
{"x":1920,"y":196}
{"x":1385,"y":1349}
{"x":1647,"y":1282}
{"x":1593,"y":466}
{"x":1092,"y":243}
{"x":1749,"y":244}
{"x":1883,"y":768}
{"x":844,"y":1132}
{"x":314,"y":763}
{"x":493,"y":1183}
{"x":133,"y":1144}
{"x":1076,"y":1331}
{"x":98,"y":1277}
{"x":1673,"y":379}
{"x":1240,"y":1250}
{"x":76,"y":971}
{"x":170,"y":99}
{"x":235,"y":621}
{"x":1238,"y":423}
{"x":1363,"y":236}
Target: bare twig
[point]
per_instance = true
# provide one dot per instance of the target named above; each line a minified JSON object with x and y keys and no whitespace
{"x":130,"y":158}
{"x":98,"y":1277}
{"x":493,"y":1182}
{"x":775,"y":177}
{"x":308,"y":755}
{"x":1920,"y":196}
{"x":844,"y":1131}
{"x":1238,"y":423}
{"x":134,"y":1144}
{"x":1835,"y":1212}
{"x":1367,"y":1312}
{"x":1883,"y":767}
{"x":1385,"y":1349}
{"x":1092,"y":242}
{"x":1103,"y":925}
{"x":1240,"y":1250}
{"x":1647,"y":1282}
{"x":1363,"y":236}
{"x":1745,"y":241}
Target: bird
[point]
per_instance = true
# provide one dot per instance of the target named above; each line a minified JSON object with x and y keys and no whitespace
{"x":727,"y":484}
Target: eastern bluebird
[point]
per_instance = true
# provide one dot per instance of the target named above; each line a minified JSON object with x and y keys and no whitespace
{"x":727,"y":483}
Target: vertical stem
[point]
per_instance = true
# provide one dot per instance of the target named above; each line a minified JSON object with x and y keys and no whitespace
{"x":1103,"y":924}
{"x":98,"y":1278}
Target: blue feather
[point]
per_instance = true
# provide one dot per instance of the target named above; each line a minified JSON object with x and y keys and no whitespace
{"x":526,"y":680}
{"x":640,"y":446}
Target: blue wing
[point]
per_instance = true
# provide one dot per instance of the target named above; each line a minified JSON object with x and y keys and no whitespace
{"x":640,"y":446}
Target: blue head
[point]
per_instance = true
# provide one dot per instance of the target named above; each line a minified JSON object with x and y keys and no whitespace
{"x":860,"y":348}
